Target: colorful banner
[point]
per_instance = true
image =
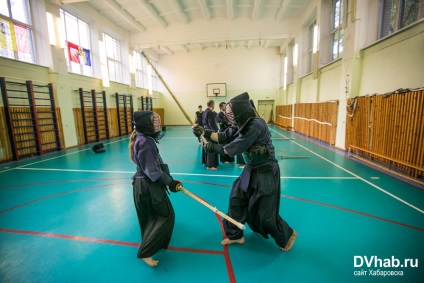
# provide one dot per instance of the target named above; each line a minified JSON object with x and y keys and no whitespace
{"x":73,"y":51}
{"x":79,"y":55}
{"x":3,"y":43}
{"x":12,"y":34}
{"x":22,"y":39}
{"x":85,"y":53}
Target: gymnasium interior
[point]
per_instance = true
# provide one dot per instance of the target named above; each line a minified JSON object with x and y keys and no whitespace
{"x":340,"y":84}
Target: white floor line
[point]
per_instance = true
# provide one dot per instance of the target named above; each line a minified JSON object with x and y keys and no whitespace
{"x":44,"y":160}
{"x":321,"y":178}
{"x":353,"y":174}
{"x":177,"y":174}
{"x":75,"y":170}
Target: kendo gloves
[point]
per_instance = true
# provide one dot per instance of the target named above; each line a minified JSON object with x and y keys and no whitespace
{"x":170,"y":182}
{"x":211,"y":147}
{"x":199,"y":130}
{"x":175,"y":186}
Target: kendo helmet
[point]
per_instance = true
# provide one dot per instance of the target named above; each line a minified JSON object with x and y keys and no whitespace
{"x":98,"y":148}
{"x":147,"y":122}
{"x":239,"y":110}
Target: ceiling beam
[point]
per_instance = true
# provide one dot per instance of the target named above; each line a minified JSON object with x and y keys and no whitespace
{"x":179,"y":11}
{"x":184,"y":48}
{"x":153,"y":13}
{"x":205,"y":9}
{"x":167,"y":50}
{"x":255,"y":10}
{"x":120,"y":10}
{"x":230,"y":10}
{"x":71,"y":1}
{"x":282,"y":46}
{"x":282,"y":10}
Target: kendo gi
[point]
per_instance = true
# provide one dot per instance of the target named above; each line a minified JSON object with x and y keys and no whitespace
{"x":255,"y":195}
{"x":210,"y":159}
{"x":155,"y":213}
{"x":223,"y":125}
{"x":199,"y":121}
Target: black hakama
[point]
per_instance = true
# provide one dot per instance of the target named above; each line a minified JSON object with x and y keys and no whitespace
{"x":223,"y":125}
{"x":255,"y":195}
{"x":210,"y":159}
{"x":154,"y":209}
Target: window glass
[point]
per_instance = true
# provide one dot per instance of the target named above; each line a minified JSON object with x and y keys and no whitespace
{"x":4,"y":8}
{"x":78,"y":51}
{"x":16,"y":35}
{"x":113,"y":54}
{"x":397,"y":14}
{"x":20,"y":11}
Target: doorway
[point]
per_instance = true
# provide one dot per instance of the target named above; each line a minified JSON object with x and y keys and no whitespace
{"x":265,"y":108}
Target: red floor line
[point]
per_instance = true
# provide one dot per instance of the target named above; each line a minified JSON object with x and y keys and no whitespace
{"x":59,"y":182}
{"x":103,"y":241}
{"x":355,"y":212}
{"x":195,"y":250}
{"x":226,"y":254}
{"x":56,"y":195}
{"x":228,"y":263}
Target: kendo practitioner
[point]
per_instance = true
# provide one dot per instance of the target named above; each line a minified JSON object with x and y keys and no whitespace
{"x":255,"y":195}
{"x":155,"y":213}
{"x":223,"y":125}
{"x":198,"y":119}
{"x":210,"y":159}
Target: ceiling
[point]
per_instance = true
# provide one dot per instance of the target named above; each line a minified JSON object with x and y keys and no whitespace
{"x":170,"y":26}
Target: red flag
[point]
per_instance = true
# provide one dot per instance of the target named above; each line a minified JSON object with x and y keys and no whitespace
{"x":73,"y":53}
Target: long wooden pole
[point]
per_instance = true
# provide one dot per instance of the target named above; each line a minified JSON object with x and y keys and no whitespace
{"x":214,"y":209}
{"x":172,"y":94}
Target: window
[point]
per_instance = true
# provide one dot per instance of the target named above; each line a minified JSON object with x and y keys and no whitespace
{"x":16,"y":35}
{"x":310,"y":46}
{"x":337,"y":31}
{"x":78,"y":51}
{"x":290,"y":65}
{"x":139,"y":66}
{"x":397,"y":14}
{"x":154,"y":77}
{"x":113,"y":54}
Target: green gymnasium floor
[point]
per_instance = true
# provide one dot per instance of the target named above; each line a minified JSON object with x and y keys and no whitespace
{"x":70,"y":217}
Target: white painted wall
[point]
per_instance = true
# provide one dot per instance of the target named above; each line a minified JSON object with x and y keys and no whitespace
{"x":331,"y":83}
{"x":309,"y":88}
{"x":398,"y":62}
{"x":255,"y":71}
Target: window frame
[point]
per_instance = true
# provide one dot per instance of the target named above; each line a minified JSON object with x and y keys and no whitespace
{"x":82,"y":69}
{"x":309,"y":51}
{"x":113,"y":64}
{"x":29,"y":28}
{"x":397,"y":16}
{"x":337,"y":32}
{"x":139,"y":68}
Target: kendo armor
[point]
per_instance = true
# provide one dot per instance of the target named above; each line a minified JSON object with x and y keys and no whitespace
{"x":239,"y":111}
{"x":98,"y":148}
{"x":257,"y":154}
{"x":148,"y":123}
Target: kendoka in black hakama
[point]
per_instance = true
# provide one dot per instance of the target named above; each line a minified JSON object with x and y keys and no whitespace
{"x":255,"y":195}
{"x":210,"y":159}
{"x":154,"y":210}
